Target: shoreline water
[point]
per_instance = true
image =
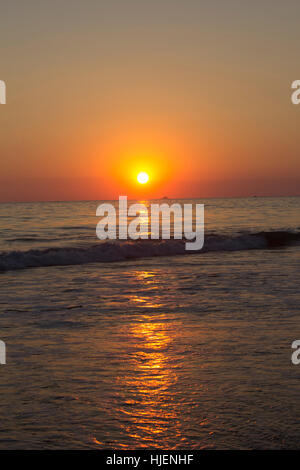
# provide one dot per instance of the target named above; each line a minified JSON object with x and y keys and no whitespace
{"x":165,"y":352}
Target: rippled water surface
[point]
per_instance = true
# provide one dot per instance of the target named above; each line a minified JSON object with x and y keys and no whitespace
{"x":183,"y":352}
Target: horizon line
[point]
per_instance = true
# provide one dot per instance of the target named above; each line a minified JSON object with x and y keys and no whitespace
{"x":150,"y":199}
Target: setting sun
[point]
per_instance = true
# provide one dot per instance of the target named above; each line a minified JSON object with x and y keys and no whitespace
{"x":142,"y":177}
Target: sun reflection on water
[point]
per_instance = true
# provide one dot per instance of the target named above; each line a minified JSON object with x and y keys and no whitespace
{"x":149,"y":406}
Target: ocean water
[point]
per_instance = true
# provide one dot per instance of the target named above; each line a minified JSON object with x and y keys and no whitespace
{"x":140,"y":344}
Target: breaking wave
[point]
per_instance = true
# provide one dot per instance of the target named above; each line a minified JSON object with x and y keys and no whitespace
{"x":109,"y":251}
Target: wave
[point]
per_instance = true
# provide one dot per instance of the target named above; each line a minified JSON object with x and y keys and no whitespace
{"x":110,"y":251}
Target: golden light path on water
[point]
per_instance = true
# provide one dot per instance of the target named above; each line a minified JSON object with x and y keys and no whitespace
{"x":148,"y":409}
{"x":150,"y":402}
{"x":152,"y":379}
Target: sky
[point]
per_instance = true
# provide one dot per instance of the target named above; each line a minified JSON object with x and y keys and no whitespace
{"x":195,"y":93}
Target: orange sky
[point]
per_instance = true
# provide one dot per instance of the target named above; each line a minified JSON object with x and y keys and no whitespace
{"x":198,"y":96}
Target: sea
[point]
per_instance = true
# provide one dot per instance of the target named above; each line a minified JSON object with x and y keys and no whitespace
{"x":141,"y":344}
